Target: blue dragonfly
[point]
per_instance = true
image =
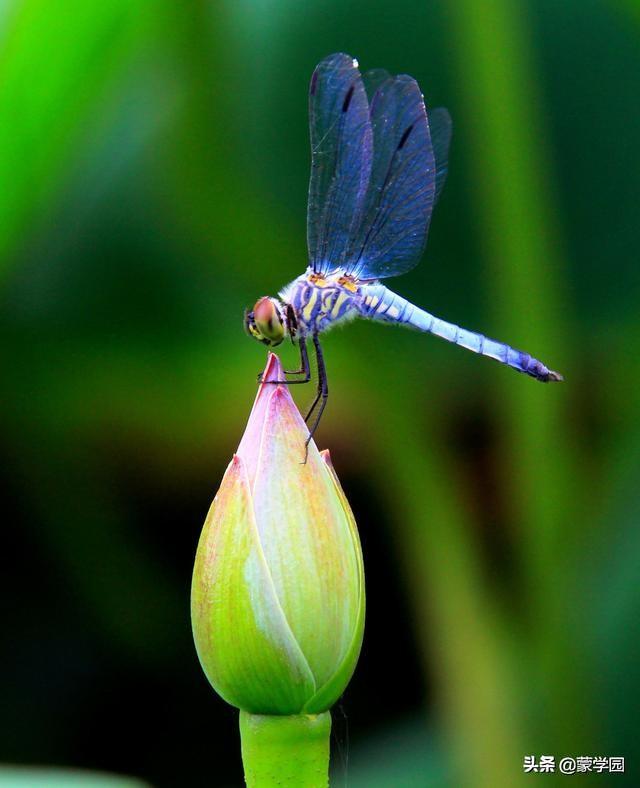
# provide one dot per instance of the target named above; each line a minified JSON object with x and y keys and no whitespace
{"x":378,"y":165}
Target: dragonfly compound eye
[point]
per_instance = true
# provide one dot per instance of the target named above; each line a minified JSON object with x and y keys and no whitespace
{"x":268,"y":322}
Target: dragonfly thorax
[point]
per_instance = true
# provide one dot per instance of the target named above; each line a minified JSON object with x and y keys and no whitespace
{"x":315,"y":303}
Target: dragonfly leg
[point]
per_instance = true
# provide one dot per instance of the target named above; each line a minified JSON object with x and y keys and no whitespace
{"x":305,"y":367}
{"x":317,"y":397}
{"x":315,"y":401}
{"x":323,"y":392}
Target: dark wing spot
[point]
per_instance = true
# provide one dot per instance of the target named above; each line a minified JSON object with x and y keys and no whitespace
{"x":405,"y":136}
{"x":347,"y":98}
{"x":377,"y":96}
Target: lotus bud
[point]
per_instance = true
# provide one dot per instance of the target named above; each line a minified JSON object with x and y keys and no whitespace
{"x":278,"y":594}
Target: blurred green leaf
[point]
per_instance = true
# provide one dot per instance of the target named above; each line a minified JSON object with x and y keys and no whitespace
{"x":24,"y":777}
{"x":58,"y":64}
{"x":522,"y":243}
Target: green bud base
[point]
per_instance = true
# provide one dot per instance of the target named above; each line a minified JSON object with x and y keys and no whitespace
{"x":285,"y":751}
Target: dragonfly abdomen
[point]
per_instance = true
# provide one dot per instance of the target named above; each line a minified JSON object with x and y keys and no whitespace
{"x":380,"y":303}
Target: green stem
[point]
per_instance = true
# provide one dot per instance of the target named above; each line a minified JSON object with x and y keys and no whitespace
{"x":285,"y":751}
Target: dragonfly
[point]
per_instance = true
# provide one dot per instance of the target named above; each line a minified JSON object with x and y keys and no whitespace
{"x":378,"y":165}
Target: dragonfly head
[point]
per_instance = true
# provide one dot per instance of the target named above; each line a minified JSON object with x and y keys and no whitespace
{"x":266,"y":321}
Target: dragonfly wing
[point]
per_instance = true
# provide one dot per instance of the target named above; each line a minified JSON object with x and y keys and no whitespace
{"x":341,"y":158}
{"x":440,"y":128}
{"x":393,"y":230}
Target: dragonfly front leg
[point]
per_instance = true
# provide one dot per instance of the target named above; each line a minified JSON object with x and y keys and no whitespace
{"x":305,"y":367}
{"x":323,"y":391}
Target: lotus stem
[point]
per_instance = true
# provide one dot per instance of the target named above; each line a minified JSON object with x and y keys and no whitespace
{"x":285,"y":751}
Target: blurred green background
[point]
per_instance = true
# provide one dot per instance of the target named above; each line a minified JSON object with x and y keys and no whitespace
{"x":153,"y":173}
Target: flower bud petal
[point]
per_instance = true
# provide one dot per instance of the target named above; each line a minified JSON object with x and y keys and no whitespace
{"x":249,"y":448}
{"x":243,"y":641}
{"x":307,"y":541}
{"x":327,"y":695}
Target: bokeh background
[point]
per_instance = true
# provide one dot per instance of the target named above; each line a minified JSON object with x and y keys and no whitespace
{"x":153,"y":173}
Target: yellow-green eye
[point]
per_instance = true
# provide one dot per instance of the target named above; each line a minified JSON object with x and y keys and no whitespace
{"x":268,"y":322}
